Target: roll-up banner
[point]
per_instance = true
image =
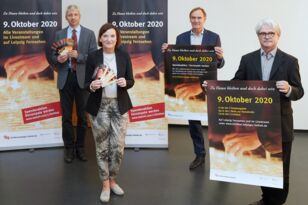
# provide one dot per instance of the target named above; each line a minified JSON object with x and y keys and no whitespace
{"x":244,"y":131}
{"x":143,"y":29}
{"x":29,"y":100}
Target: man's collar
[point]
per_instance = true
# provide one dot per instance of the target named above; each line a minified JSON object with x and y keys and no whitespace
{"x":78,"y":28}
{"x":272,"y":52}
{"x":194,"y":34}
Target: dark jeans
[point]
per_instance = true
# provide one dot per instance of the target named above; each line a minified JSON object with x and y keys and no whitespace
{"x":273,"y":196}
{"x":68,"y":94}
{"x":196,"y":134}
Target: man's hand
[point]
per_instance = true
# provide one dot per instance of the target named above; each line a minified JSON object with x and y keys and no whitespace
{"x":204,"y":84}
{"x":164,"y":47}
{"x":283,"y":86}
{"x":219,"y":52}
{"x":73,"y":54}
{"x":62,"y":58}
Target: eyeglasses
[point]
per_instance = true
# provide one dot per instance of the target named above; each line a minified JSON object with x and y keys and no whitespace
{"x":269,"y":34}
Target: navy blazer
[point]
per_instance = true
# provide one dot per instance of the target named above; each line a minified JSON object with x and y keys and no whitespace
{"x":209,"y":39}
{"x":124,"y":69}
{"x":285,"y":67}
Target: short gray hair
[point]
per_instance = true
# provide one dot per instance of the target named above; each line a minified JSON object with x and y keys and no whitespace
{"x":269,"y":22}
{"x":72,"y":7}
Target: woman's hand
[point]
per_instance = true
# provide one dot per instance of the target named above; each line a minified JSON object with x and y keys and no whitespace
{"x":121,"y":82}
{"x":96,"y":84}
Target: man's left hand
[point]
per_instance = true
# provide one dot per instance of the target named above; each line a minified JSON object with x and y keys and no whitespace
{"x":219,"y":52}
{"x":283,"y":86}
{"x":73,"y":54}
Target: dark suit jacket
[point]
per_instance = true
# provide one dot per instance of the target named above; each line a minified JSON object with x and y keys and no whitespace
{"x":209,"y":39}
{"x":124,"y":69}
{"x":86,"y":44}
{"x":285,"y":67}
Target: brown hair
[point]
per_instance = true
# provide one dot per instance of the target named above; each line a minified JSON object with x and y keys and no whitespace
{"x":196,"y":9}
{"x":105,"y":28}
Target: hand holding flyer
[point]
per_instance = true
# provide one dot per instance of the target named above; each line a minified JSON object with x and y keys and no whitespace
{"x":63,"y":46}
{"x":105,"y":75}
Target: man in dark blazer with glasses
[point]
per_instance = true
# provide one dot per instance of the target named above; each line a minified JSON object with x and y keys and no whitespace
{"x":270,"y":63}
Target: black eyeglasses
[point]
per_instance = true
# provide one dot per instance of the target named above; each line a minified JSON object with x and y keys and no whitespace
{"x":269,"y":34}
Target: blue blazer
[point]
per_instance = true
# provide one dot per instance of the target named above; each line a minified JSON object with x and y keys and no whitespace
{"x":209,"y":39}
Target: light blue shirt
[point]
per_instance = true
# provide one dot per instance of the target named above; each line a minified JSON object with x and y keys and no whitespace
{"x":70,"y":32}
{"x":196,"y":39}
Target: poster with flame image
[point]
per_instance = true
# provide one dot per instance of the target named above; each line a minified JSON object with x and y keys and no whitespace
{"x":30,"y":113}
{"x":244,"y":132}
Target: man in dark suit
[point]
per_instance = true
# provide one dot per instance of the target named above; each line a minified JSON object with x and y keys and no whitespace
{"x":270,"y":63}
{"x":197,"y":36}
{"x":71,"y":74}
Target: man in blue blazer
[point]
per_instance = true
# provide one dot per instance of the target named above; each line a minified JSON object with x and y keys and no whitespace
{"x":70,"y":66}
{"x":197,"y":36}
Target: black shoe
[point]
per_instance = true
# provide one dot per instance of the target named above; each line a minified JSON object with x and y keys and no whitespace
{"x":69,"y":155}
{"x":198,"y":161}
{"x":260,"y":202}
{"x":81,"y":155}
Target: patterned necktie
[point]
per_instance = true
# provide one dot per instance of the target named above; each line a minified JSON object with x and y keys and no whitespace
{"x":75,"y":46}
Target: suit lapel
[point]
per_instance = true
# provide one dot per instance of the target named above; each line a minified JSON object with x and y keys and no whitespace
{"x":119,"y":65}
{"x":205,"y":37}
{"x":277,"y":61}
{"x":63,"y":34}
{"x":257,"y":63}
{"x":188,"y":38}
{"x":81,"y":39}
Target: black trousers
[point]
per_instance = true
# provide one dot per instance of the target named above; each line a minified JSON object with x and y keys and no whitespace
{"x":196,"y":134}
{"x":68,"y":94}
{"x":273,"y":196}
